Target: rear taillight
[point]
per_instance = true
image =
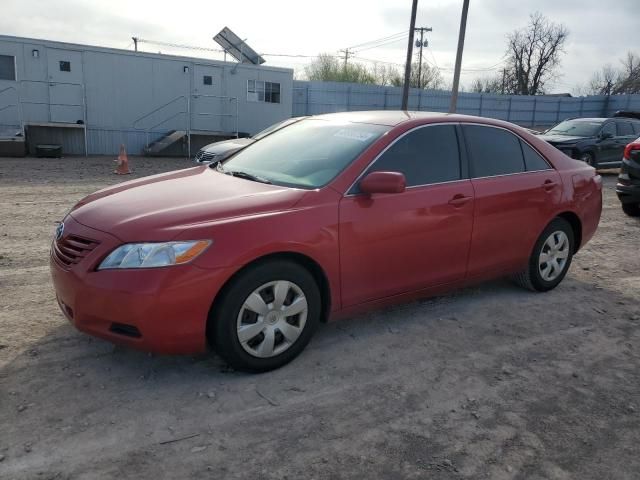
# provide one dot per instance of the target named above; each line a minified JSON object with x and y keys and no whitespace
{"x":633,"y":149}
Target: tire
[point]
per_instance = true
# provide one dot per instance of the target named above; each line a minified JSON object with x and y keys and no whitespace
{"x":251,"y":304}
{"x":631,"y":209}
{"x":537,"y":277}
{"x":589,"y":159}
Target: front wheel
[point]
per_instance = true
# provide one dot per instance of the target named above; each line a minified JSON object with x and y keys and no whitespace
{"x":266,"y":316}
{"x":550,"y":259}
{"x":631,"y":209}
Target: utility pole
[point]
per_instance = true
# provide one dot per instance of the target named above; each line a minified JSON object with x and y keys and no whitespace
{"x":407,"y":67}
{"x":421,"y":43}
{"x":135,"y":43}
{"x":456,"y":73}
{"x":504,"y":78}
{"x":346,"y":56}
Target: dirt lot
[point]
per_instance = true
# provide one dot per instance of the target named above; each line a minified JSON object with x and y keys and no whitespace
{"x":488,"y":382}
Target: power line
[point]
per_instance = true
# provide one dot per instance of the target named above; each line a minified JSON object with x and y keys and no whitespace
{"x":351,"y":54}
{"x":179,"y":45}
{"x":378,"y":40}
{"x":378,"y":45}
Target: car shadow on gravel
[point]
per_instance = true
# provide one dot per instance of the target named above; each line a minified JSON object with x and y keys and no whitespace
{"x":497,"y":381}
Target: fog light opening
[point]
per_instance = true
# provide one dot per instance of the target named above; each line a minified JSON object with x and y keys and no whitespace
{"x":126,"y":330}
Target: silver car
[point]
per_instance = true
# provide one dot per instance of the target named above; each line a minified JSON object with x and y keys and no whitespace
{"x":214,"y":152}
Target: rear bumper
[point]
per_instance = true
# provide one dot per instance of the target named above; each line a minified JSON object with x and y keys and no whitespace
{"x":628,"y":193}
{"x":162,"y":310}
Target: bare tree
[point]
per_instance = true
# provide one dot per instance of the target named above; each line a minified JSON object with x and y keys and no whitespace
{"x":629,"y":77}
{"x":603,"y":81}
{"x":615,"y":81}
{"x":488,"y":85}
{"x":430,"y":77}
{"x":533,"y":55}
{"x":385,"y":74}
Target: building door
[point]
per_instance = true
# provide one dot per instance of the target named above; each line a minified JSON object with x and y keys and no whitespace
{"x":66,"y":90}
{"x":209,"y":110}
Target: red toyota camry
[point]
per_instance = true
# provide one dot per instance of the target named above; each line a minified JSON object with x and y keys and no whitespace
{"x":326,"y":217}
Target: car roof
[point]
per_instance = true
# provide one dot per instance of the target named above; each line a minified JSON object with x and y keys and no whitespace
{"x":594,"y":119}
{"x":389,"y":118}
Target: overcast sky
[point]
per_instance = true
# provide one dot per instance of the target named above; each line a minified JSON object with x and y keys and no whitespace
{"x":600,"y":31}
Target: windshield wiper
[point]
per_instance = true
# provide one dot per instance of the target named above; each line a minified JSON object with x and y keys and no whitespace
{"x":246,"y":176}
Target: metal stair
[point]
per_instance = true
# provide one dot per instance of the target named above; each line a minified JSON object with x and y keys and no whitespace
{"x":161,"y":144}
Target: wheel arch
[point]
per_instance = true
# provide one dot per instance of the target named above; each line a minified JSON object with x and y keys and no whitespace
{"x":311,"y":265}
{"x":576,"y":226}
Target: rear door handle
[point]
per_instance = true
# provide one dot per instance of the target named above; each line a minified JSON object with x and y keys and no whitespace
{"x":548,"y":185}
{"x":459,"y":200}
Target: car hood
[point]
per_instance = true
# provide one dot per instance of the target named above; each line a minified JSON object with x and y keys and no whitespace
{"x":225,"y":146}
{"x":161,"y":206}
{"x":554,"y":139}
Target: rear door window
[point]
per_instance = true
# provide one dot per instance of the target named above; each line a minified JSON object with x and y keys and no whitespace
{"x":533,"y":160}
{"x":493,"y":151}
{"x":625,"y":129}
{"x":426,"y":155}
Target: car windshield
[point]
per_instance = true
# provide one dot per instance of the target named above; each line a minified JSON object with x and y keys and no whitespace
{"x":274,"y":127}
{"x":307,"y":154}
{"x":578,"y":128}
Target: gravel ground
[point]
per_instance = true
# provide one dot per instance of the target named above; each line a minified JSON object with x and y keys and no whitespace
{"x":487,"y":382}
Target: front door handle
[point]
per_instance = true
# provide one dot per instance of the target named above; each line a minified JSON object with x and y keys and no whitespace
{"x":459,"y":200}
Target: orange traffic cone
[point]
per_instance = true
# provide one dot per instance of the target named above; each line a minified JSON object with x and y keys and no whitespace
{"x":123,"y":162}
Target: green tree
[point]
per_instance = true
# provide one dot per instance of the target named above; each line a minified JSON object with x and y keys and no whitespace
{"x":328,"y":68}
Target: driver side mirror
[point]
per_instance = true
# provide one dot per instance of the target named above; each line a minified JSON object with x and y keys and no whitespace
{"x":383,"y":182}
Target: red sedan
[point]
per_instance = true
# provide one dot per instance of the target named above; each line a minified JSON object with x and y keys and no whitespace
{"x":326,"y":217}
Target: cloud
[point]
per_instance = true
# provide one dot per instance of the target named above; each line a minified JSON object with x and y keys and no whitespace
{"x":600,"y":32}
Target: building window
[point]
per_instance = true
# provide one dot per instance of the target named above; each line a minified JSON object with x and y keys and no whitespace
{"x":7,"y":67}
{"x":207,"y":80}
{"x":65,"y":66}
{"x":259,"y":91}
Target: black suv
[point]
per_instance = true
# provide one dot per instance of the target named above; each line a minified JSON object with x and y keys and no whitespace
{"x":600,"y":142}
{"x":628,"y":187}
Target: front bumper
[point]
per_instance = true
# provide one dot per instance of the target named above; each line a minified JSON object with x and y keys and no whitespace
{"x":161,"y":310}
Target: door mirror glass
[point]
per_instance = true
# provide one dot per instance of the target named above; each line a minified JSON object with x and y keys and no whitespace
{"x":383,"y":182}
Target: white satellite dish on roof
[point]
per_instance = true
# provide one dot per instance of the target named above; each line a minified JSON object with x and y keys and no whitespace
{"x":237,"y":48}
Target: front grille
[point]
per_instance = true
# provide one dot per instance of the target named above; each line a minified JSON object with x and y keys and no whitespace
{"x":72,"y":249}
{"x":202,"y":156}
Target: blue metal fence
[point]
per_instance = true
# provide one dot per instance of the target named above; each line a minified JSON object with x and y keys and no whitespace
{"x":312,"y":98}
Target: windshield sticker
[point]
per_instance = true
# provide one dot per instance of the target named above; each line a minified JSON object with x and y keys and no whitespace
{"x":351,"y":135}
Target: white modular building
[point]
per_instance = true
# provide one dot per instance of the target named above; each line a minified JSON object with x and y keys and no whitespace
{"x":90,"y":100}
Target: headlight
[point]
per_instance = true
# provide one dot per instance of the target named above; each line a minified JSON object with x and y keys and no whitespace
{"x":150,"y":255}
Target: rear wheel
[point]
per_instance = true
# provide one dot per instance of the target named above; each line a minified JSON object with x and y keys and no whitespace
{"x":266,"y":317}
{"x":589,"y":159}
{"x":631,"y":209}
{"x":550,"y":259}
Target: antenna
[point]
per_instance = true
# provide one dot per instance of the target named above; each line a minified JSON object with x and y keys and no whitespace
{"x":237,"y":48}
